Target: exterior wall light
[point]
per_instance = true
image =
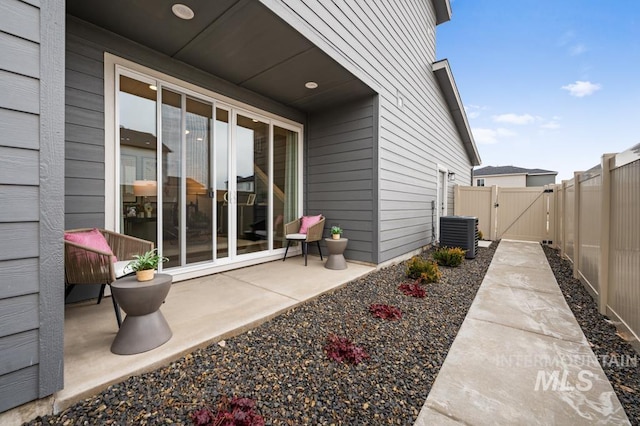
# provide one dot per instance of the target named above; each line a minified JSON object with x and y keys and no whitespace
{"x":451,"y":176}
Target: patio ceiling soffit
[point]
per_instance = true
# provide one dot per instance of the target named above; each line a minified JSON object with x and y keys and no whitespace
{"x":241,"y":41}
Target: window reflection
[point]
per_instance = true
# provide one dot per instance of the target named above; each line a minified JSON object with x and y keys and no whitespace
{"x":252,"y":168}
{"x":138,"y":171}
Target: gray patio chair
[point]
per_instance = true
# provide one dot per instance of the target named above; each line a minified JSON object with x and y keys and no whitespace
{"x":314,"y":233}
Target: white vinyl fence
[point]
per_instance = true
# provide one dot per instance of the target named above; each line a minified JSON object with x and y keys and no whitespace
{"x":594,"y":219}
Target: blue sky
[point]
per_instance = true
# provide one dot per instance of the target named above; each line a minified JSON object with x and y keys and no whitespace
{"x":546,"y":84}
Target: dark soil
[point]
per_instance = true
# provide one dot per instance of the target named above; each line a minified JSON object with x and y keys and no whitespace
{"x":283,"y":367}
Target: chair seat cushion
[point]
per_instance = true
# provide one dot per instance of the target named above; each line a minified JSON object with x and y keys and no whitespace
{"x":122,"y":268}
{"x":298,"y":236}
{"x":308,"y":221}
{"x":93,"y":239}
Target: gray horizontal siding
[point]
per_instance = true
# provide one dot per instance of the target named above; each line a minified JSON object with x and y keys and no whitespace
{"x":19,"y":92}
{"x":19,"y":166}
{"x":20,"y":203}
{"x":19,"y":240}
{"x":18,"y":351}
{"x":18,"y":277}
{"x":20,"y":19}
{"x":340,"y":163}
{"x":19,"y":129}
{"x":391,"y":47}
{"x":31,"y":163}
{"x":18,"y":387}
{"x":18,"y":314}
{"x":19,"y":56}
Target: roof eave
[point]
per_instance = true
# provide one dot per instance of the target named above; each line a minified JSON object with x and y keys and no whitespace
{"x":443,"y":10}
{"x":448,"y":86}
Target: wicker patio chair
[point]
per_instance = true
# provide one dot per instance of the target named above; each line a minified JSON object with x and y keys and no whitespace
{"x":314,"y":233}
{"x":87,"y":265}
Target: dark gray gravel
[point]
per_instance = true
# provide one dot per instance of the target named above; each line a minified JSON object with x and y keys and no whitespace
{"x":283,"y":367}
{"x":623,"y":373}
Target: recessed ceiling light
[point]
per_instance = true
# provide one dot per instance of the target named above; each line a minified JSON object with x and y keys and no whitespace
{"x":186,"y":132}
{"x":254,"y":120}
{"x":311,"y":85}
{"x":198,"y":139}
{"x":153,"y":87}
{"x":182,"y":11}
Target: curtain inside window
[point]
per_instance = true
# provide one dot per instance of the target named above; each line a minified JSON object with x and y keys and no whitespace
{"x":291,"y":178}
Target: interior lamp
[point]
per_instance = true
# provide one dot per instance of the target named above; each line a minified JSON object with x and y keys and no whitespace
{"x":145,"y":188}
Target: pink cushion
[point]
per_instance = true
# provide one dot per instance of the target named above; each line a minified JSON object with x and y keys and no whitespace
{"x":93,"y":239}
{"x":308,"y":221}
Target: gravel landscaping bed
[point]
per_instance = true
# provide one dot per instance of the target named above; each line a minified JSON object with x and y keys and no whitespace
{"x":282,"y":364}
{"x":619,"y":360}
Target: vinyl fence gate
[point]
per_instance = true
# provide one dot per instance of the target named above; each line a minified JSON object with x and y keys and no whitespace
{"x":512,"y":213}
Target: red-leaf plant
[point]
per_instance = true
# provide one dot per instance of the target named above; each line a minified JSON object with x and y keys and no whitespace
{"x":413,"y":289}
{"x":385,"y":311}
{"x":237,"y":412}
{"x":341,"y":349}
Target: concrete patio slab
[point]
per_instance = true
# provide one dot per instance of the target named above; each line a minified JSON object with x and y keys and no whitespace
{"x":200,"y":311}
{"x":520,"y":356}
{"x":310,"y":281}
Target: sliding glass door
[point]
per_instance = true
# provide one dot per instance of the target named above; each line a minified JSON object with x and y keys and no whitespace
{"x":206,"y":182}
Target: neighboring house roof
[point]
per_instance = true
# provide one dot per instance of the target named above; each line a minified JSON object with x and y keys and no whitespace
{"x":448,"y":86}
{"x":510,"y":170}
{"x":443,"y":10}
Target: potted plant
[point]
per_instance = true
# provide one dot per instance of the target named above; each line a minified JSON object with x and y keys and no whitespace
{"x":145,"y":264}
{"x":336,"y":232}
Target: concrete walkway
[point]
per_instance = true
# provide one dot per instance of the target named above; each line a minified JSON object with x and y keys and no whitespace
{"x":520,"y":357}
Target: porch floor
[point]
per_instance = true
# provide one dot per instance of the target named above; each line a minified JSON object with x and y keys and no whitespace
{"x":199,"y":311}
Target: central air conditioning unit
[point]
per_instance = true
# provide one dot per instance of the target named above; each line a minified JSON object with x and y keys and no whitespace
{"x":460,"y":231}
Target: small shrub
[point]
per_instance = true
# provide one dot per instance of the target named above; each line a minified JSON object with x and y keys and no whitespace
{"x":341,"y":349}
{"x":449,"y":256}
{"x":423,"y":270}
{"x":385,"y":311}
{"x":480,"y":235}
{"x":413,"y":289}
{"x":237,"y":412}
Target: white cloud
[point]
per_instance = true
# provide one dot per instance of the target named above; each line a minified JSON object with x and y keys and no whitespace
{"x":577,"y":49}
{"x":473,"y":111}
{"x":580,"y":89}
{"x":490,"y":136}
{"x":514,"y":118}
{"x":551,"y":125}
